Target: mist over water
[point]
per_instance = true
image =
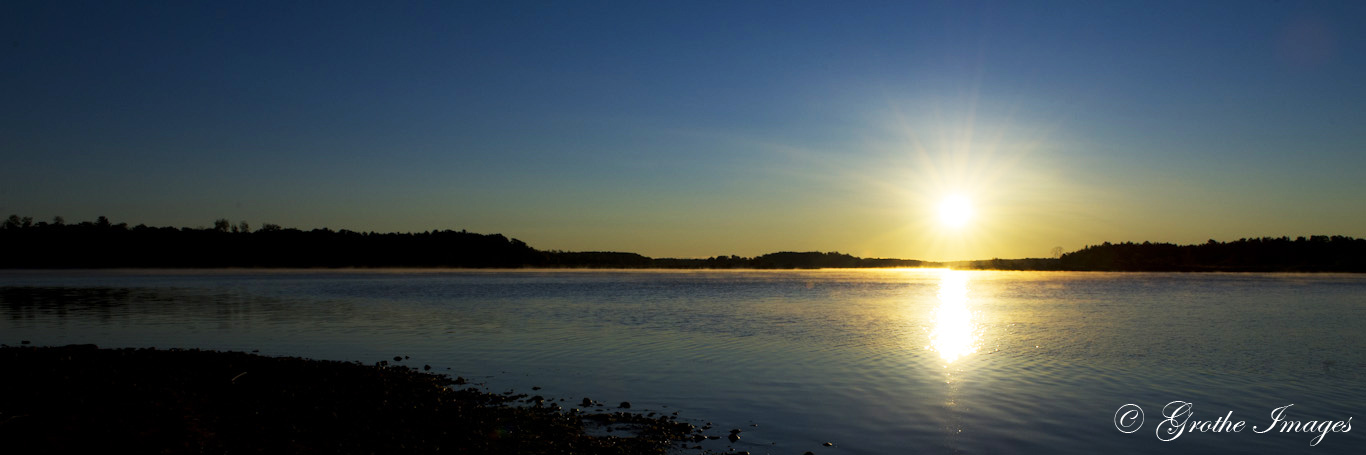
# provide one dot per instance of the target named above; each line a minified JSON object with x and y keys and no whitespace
{"x":875,"y":361}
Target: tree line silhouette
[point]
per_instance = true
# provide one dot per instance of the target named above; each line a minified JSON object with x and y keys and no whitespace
{"x":1319,"y":253}
{"x":102,"y":244}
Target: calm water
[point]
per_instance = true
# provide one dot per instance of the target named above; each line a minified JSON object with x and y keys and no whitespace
{"x":875,"y":361}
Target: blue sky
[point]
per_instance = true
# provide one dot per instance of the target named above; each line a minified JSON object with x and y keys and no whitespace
{"x":693,"y":129}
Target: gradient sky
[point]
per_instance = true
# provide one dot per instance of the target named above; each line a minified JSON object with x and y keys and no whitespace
{"x":692,"y":129}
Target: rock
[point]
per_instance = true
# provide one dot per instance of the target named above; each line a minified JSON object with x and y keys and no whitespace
{"x":374,"y":410}
{"x":733,"y":437}
{"x":426,"y":368}
{"x":398,"y":358}
{"x":809,"y":453}
{"x":23,"y":341}
{"x":625,"y":405}
{"x":829,"y":444}
{"x":586,"y":402}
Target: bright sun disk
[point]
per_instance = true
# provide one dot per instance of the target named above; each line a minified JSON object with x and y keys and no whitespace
{"x":955,"y":211}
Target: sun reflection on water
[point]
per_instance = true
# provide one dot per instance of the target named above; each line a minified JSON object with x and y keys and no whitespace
{"x":955,"y":333}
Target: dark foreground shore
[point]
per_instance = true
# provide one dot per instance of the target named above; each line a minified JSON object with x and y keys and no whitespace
{"x":84,"y":399}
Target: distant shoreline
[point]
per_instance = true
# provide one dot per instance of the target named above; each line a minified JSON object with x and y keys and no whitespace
{"x":986,"y":265}
{"x":103,"y":245}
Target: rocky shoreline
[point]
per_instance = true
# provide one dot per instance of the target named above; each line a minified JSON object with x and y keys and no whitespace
{"x":86,"y":399}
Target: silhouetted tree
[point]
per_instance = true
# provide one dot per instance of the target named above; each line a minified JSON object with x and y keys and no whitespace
{"x":1317,"y":253}
{"x":100,"y":244}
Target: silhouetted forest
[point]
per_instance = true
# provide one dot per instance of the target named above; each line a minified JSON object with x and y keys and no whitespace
{"x":101,"y":244}
{"x":1009,"y":264}
{"x":1319,"y":253}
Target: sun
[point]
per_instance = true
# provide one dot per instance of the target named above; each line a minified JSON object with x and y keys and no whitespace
{"x":955,"y":211}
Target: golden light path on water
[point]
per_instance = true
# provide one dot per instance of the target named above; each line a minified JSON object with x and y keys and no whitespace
{"x":955,"y":333}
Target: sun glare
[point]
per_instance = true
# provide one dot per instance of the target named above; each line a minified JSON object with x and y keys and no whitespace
{"x":955,"y":211}
{"x":955,"y":332}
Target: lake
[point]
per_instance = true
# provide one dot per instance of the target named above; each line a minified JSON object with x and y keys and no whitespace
{"x":892,"y":361}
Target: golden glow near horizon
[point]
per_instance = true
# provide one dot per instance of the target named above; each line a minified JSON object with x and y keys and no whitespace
{"x":955,"y":211}
{"x":979,"y":184}
{"x":955,"y":333}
